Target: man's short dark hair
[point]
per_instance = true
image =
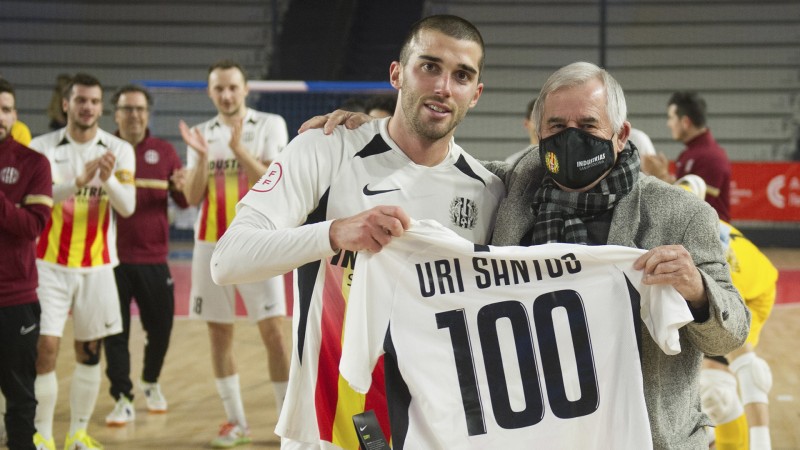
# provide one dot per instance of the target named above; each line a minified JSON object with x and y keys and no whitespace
{"x":128,"y":88}
{"x":691,"y":105}
{"x":453,"y":26}
{"x":225,"y":64}
{"x":82,"y":79}
{"x":6,"y":86}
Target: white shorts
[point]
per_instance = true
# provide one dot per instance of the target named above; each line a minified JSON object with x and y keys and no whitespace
{"x":214,"y":303}
{"x":92,"y":296}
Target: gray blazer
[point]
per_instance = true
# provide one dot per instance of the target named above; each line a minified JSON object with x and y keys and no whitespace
{"x":652,"y":214}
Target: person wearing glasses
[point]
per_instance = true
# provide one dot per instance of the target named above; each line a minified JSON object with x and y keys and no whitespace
{"x":142,"y":244}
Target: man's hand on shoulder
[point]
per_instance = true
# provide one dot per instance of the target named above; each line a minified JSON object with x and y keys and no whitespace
{"x":369,"y":230}
{"x":351,"y":120}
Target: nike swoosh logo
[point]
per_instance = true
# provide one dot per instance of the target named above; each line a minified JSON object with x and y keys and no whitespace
{"x":109,"y":325}
{"x":23,"y":331}
{"x":362,"y":428}
{"x":59,"y":161}
{"x":367,"y":190}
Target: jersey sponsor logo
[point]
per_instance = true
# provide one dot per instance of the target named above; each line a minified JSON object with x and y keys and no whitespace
{"x":9,"y":175}
{"x":464,"y":213}
{"x":270,"y":179}
{"x":89,"y":192}
{"x":368,"y":191}
{"x":151,"y":157}
{"x":221,"y":165}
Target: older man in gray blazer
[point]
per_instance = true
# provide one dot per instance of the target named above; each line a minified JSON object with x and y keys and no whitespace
{"x":583,"y":185}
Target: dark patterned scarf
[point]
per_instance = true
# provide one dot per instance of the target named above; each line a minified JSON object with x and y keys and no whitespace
{"x":560,"y":215}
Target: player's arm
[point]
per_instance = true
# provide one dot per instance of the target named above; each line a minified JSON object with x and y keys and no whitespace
{"x":253,"y":249}
{"x":28,"y":219}
{"x":196,"y":182}
{"x":117,"y":176}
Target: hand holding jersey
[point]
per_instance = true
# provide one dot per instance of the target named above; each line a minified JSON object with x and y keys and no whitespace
{"x":368,"y":230}
{"x":673,"y":265}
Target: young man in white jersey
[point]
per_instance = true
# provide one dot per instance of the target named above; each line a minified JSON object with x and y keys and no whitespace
{"x":327,"y":198}
{"x":93,"y":173}
{"x":226,"y":155}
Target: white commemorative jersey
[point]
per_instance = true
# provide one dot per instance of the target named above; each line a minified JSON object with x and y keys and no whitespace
{"x":319,"y":178}
{"x":507,"y":347}
{"x":265,"y":135}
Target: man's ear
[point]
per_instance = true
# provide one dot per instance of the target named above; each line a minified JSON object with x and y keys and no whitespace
{"x":686,"y":123}
{"x":396,"y":74}
{"x":622,"y":136}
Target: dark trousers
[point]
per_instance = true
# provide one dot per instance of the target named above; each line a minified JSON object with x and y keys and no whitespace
{"x":19,"y":334}
{"x":151,"y":285}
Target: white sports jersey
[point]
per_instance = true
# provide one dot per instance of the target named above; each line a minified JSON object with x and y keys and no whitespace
{"x":264,"y":134}
{"x":319,"y":178}
{"x":81,"y":233}
{"x":507,"y":347}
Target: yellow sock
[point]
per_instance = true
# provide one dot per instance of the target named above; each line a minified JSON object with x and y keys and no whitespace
{"x":732,"y":435}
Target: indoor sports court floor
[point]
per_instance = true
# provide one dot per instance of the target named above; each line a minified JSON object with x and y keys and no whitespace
{"x":195,"y":411}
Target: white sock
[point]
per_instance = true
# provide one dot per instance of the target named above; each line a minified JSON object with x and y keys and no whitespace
{"x":280,"y":393}
{"x":46,"y":390}
{"x":83,"y":395}
{"x":759,"y":438}
{"x":231,"y":396}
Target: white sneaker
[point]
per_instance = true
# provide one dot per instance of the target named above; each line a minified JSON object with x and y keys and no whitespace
{"x":231,"y":435}
{"x":156,"y":403}
{"x":122,"y":413}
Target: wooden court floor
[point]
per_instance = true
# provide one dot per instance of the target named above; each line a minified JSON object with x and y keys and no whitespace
{"x":195,"y":411}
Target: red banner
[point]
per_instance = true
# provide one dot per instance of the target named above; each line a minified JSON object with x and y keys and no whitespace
{"x":765,"y":191}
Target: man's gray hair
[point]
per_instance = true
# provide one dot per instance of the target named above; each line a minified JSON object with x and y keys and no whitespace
{"x":579,"y":73}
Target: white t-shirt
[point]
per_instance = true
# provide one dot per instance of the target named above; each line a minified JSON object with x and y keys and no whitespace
{"x":507,"y":347}
{"x":283,"y":222}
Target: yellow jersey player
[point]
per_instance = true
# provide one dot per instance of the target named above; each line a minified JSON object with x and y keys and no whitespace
{"x":756,"y":279}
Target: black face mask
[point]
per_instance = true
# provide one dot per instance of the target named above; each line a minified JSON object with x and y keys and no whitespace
{"x":575,"y":159}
